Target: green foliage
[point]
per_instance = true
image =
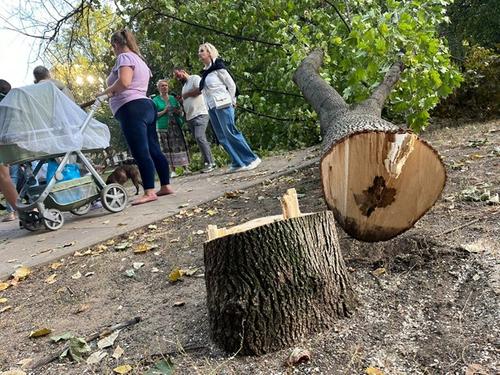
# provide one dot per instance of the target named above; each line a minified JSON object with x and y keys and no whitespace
{"x":271,"y":111}
{"x":356,"y":59}
{"x":475,"y":21}
{"x":479,"y":95}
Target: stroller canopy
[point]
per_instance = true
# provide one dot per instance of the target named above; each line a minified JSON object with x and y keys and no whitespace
{"x":40,"y":119}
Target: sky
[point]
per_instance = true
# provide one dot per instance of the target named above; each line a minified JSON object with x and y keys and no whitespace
{"x":18,"y":52}
{"x":18,"y":58}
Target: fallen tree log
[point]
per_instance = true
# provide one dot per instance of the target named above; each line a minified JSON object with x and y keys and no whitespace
{"x":272,"y":281}
{"x":377,"y":178}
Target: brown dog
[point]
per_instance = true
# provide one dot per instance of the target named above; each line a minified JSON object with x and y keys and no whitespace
{"x":122,"y":173}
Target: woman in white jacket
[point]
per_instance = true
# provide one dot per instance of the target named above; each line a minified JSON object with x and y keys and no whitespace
{"x":219,"y":91}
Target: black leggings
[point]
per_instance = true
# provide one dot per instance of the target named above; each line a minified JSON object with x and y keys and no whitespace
{"x":138,"y":122}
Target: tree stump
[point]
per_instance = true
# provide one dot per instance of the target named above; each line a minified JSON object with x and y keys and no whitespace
{"x":377,"y":178}
{"x":271,"y":285}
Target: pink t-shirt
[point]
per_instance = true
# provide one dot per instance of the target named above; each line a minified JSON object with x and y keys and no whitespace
{"x":139,"y":84}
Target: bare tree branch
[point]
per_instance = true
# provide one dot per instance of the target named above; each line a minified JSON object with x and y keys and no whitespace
{"x":375,"y":102}
{"x":323,"y":98}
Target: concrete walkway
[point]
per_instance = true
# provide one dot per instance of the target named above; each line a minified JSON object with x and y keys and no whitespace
{"x":19,"y":246}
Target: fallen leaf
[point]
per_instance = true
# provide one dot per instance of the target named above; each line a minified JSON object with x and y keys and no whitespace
{"x":142,"y":248}
{"x":4,"y":286}
{"x":4,"y":309}
{"x":162,"y":367}
{"x":152,"y":227}
{"x":3,"y":300}
{"x":174,"y":240}
{"x":476,"y":369}
{"x":110,"y":242}
{"x":199,"y":232}
{"x":179,"y":303}
{"x":175,"y":275}
{"x":69,"y":244}
{"x":189,"y":271}
{"x":12,"y":260}
{"x":85,"y":253}
{"x":118,"y":352}
{"x":184,"y":205}
{"x":56,"y":265}
{"x":13,"y":372}
{"x":108,"y":340}
{"x":96,"y":357}
{"x":373,"y":371}
{"x":62,"y":337}
{"x":298,"y":356}
{"x":122,"y":246}
{"x":212,"y":212}
{"x":123,"y":369}
{"x":153,"y":270}
{"x":40,"y":332}
{"x":21,"y":273}
{"x":82,"y":308}
{"x":88,"y":274}
{"x":379,"y":271}
{"x":77,"y":348}
{"x":51,"y":279}
{"x":76,"y":276}
{"x":130,"y":273}
{"x":137,"y":265}
{"x":24,"y":363}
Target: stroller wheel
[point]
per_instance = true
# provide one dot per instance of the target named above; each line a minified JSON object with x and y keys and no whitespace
{"x":81,"y":210}
{"x":53,"y":219}
{"x":114,"y":197}
{"x":31,"y":221}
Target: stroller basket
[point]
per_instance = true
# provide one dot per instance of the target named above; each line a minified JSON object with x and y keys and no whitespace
{"x":73,"y":191}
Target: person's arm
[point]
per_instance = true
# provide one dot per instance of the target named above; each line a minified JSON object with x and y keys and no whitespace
{"x":195,"y":91}
{"x":192,"y":94}
{"x":125,"y":74}
{"x":226,"y":78}
{"x":159,"y":113}
{"x":7,"y":187}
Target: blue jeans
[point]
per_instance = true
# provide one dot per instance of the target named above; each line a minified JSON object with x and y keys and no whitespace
{"x":231,"y":138}
{"x":138,"y":122}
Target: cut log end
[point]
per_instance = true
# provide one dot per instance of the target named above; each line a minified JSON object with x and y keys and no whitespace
{"x":378,"y":184}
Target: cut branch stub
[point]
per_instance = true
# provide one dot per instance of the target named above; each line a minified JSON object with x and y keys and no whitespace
{"x":377,"y":178}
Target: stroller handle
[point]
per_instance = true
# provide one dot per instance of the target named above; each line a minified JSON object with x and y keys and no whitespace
{"x":100,"y":99}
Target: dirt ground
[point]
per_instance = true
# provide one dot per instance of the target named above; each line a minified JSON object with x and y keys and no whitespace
{"x":430,"y":307}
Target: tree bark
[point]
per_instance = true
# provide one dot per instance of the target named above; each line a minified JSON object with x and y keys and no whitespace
{"x":270,"y":286}
{"x":377,"y":178}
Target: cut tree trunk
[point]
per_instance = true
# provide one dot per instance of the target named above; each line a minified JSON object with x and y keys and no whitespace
{"x":377,"y":178}
{"x":270,"y":285}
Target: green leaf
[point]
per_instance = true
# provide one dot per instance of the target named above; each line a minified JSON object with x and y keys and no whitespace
{"x":163,"y":367}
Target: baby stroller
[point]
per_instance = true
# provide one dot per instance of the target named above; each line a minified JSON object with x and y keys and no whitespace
{"x":39,"y":123}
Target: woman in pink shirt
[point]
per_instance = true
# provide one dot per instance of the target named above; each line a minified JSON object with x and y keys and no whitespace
{"x":127,"y":86}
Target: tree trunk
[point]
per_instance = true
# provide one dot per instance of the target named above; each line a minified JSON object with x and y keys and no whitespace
{"x":377,"y":178}
{"x":270,"y":286}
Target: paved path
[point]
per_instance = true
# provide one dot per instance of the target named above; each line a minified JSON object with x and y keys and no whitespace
{"x":19,"y":246}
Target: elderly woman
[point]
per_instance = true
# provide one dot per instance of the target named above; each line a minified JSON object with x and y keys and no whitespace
{"x":127,"y":86}
{"x":219,"y":91}
{"x":169,"y":126}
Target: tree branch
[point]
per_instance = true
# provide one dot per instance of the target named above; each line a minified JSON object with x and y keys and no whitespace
{"x":203,"y":27}
{"x":375,"y":102}
{"x":339,"y":14}
{"x":322,"y":97}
